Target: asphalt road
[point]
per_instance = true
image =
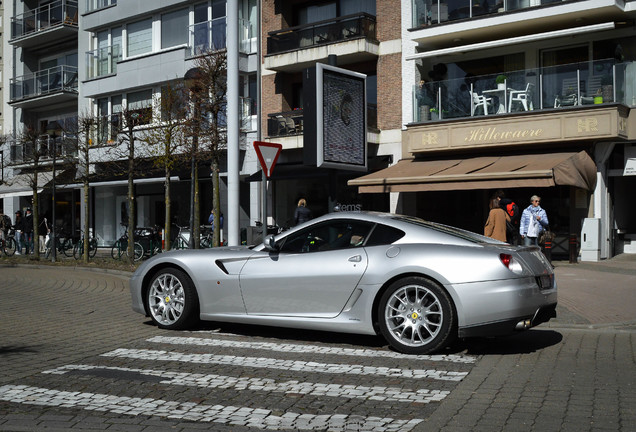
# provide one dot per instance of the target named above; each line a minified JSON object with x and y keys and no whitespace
{"x":74,"y":357}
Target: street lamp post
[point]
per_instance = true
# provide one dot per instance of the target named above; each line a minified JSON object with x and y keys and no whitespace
{"x":51,"y":130}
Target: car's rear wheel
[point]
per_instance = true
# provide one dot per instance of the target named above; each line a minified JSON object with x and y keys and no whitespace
{"x":172,"y":300}
{"x":416,"y":316}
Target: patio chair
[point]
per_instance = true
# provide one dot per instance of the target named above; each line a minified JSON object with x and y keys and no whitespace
{"x":569,"y":94}
{"x":522,"y":96}
{"x":479,"y":101}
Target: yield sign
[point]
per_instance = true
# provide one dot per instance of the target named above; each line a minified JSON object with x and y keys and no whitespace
{"x":267,"y":155}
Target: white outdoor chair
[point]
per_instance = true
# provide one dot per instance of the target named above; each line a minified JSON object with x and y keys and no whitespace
{"x":479,"y":101}
{"x":522,"y":96}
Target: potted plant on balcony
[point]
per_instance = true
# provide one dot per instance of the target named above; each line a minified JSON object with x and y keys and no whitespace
{"x":501,"y":81}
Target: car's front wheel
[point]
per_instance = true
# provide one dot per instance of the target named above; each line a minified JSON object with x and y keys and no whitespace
{"x":416,"y":316}
{"x":172,"y":300}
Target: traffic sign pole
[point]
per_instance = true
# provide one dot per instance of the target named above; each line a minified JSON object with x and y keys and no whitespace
{"x":267,"y":155}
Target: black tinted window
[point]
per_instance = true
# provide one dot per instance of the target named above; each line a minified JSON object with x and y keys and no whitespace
{"x":331,"y":235}
{"x":384,"y":235}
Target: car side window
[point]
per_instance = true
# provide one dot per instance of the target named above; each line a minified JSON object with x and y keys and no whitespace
{"x":384,"y":235}
{"x":330,"y":235}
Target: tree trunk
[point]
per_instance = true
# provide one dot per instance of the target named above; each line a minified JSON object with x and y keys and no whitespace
{"x":216,"y":202}
{"x":86,"y":239}
{"x":131,"y":196}
{"x":168,"y":217}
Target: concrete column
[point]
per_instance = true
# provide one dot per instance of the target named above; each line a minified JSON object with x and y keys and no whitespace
{"x":601,"y":197}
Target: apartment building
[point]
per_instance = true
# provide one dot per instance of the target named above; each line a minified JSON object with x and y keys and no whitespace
{"x":361,"y":36}
{"x":103,"y":58}
{"x":40,"y":92}
{"x":528,"y":96}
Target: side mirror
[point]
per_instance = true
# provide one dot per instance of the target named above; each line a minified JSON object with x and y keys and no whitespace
{"x":270,"y":243}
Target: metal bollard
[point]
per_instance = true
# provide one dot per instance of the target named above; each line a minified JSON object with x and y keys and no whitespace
{"x":573,"y":249}
{"x":547,"y":249}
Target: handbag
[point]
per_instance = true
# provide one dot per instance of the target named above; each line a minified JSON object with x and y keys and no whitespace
{"x":546,"y":235}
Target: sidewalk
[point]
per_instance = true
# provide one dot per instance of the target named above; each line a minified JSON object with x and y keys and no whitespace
{"x":596,"y":294}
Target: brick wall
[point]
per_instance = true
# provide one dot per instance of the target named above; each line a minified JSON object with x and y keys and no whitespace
{"x":390,"y":91}
{"x":389,"y":20}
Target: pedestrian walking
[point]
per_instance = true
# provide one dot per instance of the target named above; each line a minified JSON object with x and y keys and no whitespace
{"x":27,"y":232}
{"x":5,"y":225}
{"x":496,"y":224}
{"x":302,"y":213}
{"x":18,"y":226}
{"x":534,"y":220}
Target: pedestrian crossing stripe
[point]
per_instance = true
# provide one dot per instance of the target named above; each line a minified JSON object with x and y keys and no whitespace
{"x":310,"y":349}
{"x":376,"y":393}
{"x":288,"y":365}
{"x":228,"y":415}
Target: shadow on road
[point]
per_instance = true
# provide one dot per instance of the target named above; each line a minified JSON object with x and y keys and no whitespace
{"x":522,"y":343}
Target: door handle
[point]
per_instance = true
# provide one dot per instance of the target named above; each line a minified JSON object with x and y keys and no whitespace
{"x":355,"y":258}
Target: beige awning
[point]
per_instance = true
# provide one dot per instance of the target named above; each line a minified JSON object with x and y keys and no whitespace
{"x":487,"y":172}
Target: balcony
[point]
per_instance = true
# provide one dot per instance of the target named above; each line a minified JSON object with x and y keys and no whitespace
{"x":40,"y":26}
{"x":290,"y":123}
{"x":44,"y":88}
{"x":207,"y":36}
{"x":103,"y":61}
{"x":561,"y":87}
{"x":25,"y":152}
{"x":352,"y":38}
{"x":440,"y":23}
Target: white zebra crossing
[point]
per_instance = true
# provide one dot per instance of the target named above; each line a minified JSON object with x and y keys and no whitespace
{"x":229,"y":415}
{"x":377,"y":393}
{"x":289,"y":365}
{"x":306,"y":349}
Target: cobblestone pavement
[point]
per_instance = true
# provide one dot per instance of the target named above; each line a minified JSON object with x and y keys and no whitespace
{"x":75,"y":357}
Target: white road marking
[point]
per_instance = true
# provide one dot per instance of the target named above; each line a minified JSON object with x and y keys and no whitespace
{"x":375,"y":393}
{"x":290,"y":365}
{"x":311,"y":349}
{"x":230,"y":415}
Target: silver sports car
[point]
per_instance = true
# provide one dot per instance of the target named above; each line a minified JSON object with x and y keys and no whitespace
{"x":418,"y":284}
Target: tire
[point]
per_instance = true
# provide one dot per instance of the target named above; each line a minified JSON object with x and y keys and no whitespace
{"x":172,"y":300}
{"x":78,"y":251}
{"x":9,"y":246}
{"x":206,"y":243}
{"x":67,"y":247}
{"x":138,"y":251}
{"x":92,"y":247}
{"x":416,"y":316}
{"x":114,"y":251}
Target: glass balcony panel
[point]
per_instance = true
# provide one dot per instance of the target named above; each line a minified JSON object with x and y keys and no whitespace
{"x":43,"y":17}
{"x":59,"y":78}
{"x":556,"y":87}
{"x":208,"y":36}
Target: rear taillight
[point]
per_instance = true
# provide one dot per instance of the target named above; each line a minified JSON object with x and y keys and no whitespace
{"x":512,"y":264}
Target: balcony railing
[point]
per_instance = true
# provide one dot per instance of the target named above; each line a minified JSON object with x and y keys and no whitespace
{"x":207,"y":36}
{"x":65,"y":147}
{"x":291,"y":122}
{"x":323,"y":32}
{"x":44,"y":17}
{"x":46,"y":81}
{"x":103,"y":61}
{"x":558,"y":87}
{"x":92,"y":5}
{"x":247,"y":37}
{"x":427,"y":12}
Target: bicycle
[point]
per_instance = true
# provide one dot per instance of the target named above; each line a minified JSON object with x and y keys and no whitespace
{"x":9,"y":245}
{"x":78,"y":249}
{"x":207,"y":235}
{"x":150,"y":239}
{"x":63,"y":244}
{"x":121,"y":247}
{"x":181,"y":242}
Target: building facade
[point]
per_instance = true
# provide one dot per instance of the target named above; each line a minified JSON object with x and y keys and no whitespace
{"x":100,"y":58}
{"x":532,"y":97}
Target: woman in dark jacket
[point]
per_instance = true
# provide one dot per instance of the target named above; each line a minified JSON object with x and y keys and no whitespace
{"x":302,"y":213}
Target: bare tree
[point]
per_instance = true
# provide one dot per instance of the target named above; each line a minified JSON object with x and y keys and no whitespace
{"x":167,"y":142}
{"x":208,"y":121}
